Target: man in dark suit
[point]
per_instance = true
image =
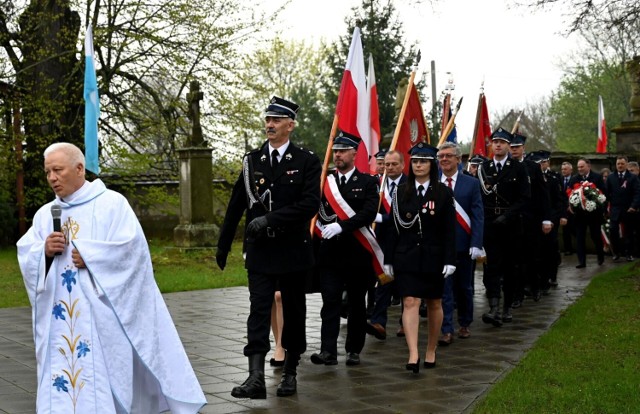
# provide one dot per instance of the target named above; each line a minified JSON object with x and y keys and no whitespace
{"x":343,"y":259}
{"x":623,"y":194}
{"x":469,"y":234}
{"x":506,"y":193}
{"x":567,"y":220}
{"x":394,"y":165}
{"x":279,"y":188}
{"x":588,"y":220}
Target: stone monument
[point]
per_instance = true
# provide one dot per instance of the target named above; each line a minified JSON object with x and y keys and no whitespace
{"x":196,"y":227}
{"x":628,"y":133}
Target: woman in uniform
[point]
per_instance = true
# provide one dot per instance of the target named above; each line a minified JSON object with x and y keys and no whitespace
{"x":421,"y":249}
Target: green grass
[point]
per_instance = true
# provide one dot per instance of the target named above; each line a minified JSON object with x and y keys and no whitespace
{"x":588,"y":362}
{"x":175,"y":271}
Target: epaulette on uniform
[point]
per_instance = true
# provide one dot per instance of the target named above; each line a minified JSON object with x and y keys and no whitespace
{"x":306,"y":150}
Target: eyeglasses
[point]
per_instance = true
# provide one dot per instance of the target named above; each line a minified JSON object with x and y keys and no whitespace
{"x":447,"y":156}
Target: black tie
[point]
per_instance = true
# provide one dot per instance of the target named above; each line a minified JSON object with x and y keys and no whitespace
{"x":392,"y":188}
{"x":621,"y":176}
{"x":274,"y":159}
{"x":566,"y":182}
{"x":420,"y":193}
{"x":499,"y":167}
{"x":343,"y":181}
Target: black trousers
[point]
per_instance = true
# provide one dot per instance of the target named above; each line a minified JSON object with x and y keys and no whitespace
{"x":592,"y":222}
{"x":262,"y":287}
{"x":502,"y":255}
{"x":334,"y":280}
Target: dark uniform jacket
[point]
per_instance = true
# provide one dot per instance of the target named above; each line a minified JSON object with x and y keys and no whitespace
{"x":622,"y":194}
{"x":511,"y":191}
{"x":424,"y":247}
{"x":285,"y":246}
{"x":539,"y":208}
{"x":558,"y":200}
{"x":344,"y":250}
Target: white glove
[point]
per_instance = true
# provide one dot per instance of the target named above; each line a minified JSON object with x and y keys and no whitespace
{"x":331,"y":230}
{"x":475,"y":253}
{"x":378,"y":218}
{"x":388,"y":270}
{"x":448,"y":270}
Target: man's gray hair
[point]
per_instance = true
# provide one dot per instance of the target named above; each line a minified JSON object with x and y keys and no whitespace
{"x":449,"y":144}
{"x":71,"y":151}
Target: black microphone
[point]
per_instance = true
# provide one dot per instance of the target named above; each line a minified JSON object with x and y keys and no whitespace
{"x":56,"y":213}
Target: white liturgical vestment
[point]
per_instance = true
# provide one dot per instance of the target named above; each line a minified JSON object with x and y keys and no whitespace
{"x":105,"y":342}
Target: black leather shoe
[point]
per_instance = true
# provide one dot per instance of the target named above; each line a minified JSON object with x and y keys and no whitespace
{"x":507,"y":317}
{"x":516,"y":304}
{"x":615,"y":258}
{"x":600,"y":260}
{"x":324,"y":358}
{"x":536,"y":296}
{"x":630,"y":259}
{"x":252,"y":388}
{"x":429,"y":365}
{"x":568,"y":253}
{"x":413,"y":367}
{"x":581,"y":266}
{"x":376,"y":330}
{"x":353,"y":359}
{"x":287,"y":386}
{"x":275,"y":363}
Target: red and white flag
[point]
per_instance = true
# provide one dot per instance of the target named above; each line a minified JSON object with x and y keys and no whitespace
{"x":374,"y":117}
{"x":352,"y":109}
{"x":601,"y":147}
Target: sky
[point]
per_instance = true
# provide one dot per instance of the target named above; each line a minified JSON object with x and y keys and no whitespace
{"x":514,"y":51}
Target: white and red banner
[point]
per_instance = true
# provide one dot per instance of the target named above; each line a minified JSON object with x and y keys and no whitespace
{"x":374,"y":117}
{"x":365,"y":235}
{"x":601,"y":147}
{"x":352,"y":109}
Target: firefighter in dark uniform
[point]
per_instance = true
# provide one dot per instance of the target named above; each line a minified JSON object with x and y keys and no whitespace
{"x":279,"y":188}
{"x":558,"y":203}
{"x":505,"y":194}
{"x":536,"y":222}
{"x":342,"y":259}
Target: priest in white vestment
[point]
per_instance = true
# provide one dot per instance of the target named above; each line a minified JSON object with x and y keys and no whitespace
{"x":105,"y":342}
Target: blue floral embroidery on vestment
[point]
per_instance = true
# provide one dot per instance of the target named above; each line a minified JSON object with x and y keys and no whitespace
{"x":59,"y":382}
{"x":58,"y":310}
{"x":68,"y":277}
{"x":82,"y":349}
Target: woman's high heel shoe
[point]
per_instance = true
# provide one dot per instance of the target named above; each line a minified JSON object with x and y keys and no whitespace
{"x":414,"y":367}
{"x":429,"y":365}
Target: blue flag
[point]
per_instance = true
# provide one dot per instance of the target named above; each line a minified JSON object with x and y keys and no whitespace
{"x":453,"y":135}
{"x":91,"y":106}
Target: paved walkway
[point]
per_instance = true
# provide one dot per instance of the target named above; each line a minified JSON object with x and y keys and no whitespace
{"x":211,"y":324}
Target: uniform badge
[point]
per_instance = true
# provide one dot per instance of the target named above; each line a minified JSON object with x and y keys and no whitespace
{"x":263,"y":158}
{"x":261,"y":181}
{"x":355,"y":178}
{"x":408,"y":215}
{"x":287,"y":157}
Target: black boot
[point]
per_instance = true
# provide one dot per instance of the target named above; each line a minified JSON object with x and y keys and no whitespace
{"x":506,"y":314}
{"x":493,"y":316}
{"x":288,"y":383}
{"x":253,"y":387}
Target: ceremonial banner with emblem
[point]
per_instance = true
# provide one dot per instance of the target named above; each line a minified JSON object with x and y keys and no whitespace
{"x":482,"y":131}
{"x":412,"y":126}
{"x":91,"y":106}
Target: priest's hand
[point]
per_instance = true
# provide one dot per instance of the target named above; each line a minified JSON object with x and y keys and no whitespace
{"x":54,"y":244}
{"x":77,"y":259}
{"x":221,"y":258}
{"x":256,"y":225}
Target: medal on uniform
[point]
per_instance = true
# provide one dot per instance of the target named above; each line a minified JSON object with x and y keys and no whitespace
{"x":262,"y":181}
{"x":408,"y":215}
{"x":424,"y":208}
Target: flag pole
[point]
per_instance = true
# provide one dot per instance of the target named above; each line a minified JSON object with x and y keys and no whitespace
{"x":517,"y":123}
{"x":325,"y":166}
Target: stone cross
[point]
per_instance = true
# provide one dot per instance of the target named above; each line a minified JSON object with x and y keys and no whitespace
{"x":193,"y":98}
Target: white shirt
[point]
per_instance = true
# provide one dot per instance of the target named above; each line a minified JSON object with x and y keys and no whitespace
{"x":281,"y":150}
{"x":454,"y":180}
